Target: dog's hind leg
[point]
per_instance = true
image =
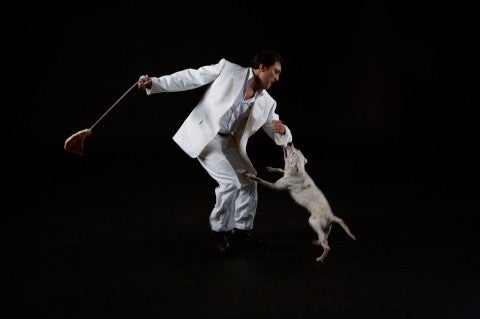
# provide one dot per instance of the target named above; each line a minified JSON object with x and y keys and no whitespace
{"x":322,"y":240}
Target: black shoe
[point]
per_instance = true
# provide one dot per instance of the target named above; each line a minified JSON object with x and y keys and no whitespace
{"x":222,"y":241}
{"x":246,"y":237}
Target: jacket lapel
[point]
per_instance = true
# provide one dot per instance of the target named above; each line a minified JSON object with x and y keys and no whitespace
{"x":256,"y":118}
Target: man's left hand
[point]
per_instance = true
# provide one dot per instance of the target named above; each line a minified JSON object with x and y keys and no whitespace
{"x":278,"y":127}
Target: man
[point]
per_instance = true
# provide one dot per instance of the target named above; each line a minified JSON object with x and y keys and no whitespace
{"x":235,"y":105}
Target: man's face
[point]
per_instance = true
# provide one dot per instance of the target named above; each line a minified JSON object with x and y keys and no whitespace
{"x":269,"y":75}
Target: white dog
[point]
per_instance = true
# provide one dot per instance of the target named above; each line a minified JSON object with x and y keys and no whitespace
{"x":303,"y":190}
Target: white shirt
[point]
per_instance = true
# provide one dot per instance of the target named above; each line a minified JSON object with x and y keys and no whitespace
{"x":240,"y":109}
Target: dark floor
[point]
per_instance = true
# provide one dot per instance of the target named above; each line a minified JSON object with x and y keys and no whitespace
{"x":115,"y":236}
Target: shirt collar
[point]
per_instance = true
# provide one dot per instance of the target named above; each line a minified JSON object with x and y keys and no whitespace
{"x":249,"y":80}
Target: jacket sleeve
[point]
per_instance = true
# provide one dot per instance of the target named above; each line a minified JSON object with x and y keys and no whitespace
{"x":187,"y":79}
{"x":280,"y":139}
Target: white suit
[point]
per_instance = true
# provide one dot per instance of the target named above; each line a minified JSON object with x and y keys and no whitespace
{"x":225,"y":159}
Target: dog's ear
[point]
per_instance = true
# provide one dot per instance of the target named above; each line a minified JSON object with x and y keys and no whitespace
{"x":297,"y":168}
{"x":306,"y":161}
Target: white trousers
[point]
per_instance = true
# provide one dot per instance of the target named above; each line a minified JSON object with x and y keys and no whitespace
{"x":236,"y":196}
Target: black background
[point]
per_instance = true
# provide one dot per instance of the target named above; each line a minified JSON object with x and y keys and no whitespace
{"x":372,"y":79}
{"x":379,"y":97}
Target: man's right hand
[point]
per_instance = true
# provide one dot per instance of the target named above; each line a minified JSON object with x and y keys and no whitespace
{"x":144,"y":82}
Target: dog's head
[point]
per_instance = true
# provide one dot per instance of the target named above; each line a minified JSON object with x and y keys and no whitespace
{"x":294,"y":159}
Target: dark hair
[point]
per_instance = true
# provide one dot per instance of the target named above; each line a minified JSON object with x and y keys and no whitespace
{"x":266,"y":57}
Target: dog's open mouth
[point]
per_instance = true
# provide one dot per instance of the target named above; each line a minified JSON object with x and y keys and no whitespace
{"x":286,"y":148}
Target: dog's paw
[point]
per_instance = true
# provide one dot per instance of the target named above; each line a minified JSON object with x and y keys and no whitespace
{"x":270,"y":169}
{"x":250,"y":176}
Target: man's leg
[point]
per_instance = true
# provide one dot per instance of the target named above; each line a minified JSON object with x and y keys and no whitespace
{"x":246,"y":205}
{"x":215,"y":160}
{"x":246,"y":200}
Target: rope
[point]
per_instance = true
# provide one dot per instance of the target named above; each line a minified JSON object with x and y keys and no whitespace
{"x":111,"y":107}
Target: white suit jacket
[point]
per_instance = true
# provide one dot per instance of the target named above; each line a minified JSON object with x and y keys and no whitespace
{"x":226,"y":79}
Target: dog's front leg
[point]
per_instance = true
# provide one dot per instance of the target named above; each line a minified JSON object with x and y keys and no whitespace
{"x":257,"y":179}
{"x":275,"y":170}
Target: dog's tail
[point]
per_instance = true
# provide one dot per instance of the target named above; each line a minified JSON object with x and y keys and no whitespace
{"x":344,"y":226}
